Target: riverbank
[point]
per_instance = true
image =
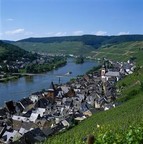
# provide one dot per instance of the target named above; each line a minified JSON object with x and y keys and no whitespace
{"x":15,"y":76}
{"x":40,"y":70}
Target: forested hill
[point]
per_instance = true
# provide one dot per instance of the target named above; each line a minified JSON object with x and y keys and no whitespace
{"x":11,"y":52}
{"x":92,"y":40}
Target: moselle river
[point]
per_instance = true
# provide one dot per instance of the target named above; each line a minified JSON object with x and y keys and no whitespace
{"x":23,"y":87}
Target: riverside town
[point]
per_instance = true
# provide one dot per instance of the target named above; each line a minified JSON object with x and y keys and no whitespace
{"x":62,"y":106}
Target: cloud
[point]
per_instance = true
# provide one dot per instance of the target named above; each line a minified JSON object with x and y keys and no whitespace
{"x":79,"y":32}
{"x":60,"y":34}
{"x":10,"y":19}
{"x":101,"y":33}
{"x":14,"y":32}
{"x":123,"y":33}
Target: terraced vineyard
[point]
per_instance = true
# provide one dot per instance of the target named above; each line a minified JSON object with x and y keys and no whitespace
{"x":121,"y":52}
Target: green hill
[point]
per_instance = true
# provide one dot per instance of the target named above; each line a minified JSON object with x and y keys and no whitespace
{"x":11,"y":52}
{"x":121,"y":51}
{"x":65,"y":47}
{"x":76,"y":45}
{"x":94,"y":40}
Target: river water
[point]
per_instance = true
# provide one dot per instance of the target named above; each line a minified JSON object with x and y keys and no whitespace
{"x":23,"y":87}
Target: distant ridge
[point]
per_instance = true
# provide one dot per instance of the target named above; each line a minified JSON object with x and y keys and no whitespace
{"x":92,"y":40}
{"x":76,"y":45}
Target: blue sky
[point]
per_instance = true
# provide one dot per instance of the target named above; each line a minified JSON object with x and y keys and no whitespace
{"x":44,"y":18}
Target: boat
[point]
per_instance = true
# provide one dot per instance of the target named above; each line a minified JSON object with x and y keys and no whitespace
{"x":68,"y":73}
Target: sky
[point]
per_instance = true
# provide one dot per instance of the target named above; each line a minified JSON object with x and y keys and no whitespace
{"x":21,"y":19}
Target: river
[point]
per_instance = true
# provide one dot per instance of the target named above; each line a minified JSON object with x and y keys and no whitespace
{"x":23,"y":87}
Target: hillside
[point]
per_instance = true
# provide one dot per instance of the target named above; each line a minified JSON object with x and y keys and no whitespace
{"x":121,"y":51}
{"x":123,"y":124}
{"x":77,"y":45}
{"x":16,"y":60}
{"x":11,"y":52}
{"x":75,"y":48}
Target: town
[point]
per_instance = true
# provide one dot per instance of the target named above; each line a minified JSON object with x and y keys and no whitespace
{"x":62,"y":106}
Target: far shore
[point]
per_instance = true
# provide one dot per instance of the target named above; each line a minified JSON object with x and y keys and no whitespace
{"x":18,"y":75}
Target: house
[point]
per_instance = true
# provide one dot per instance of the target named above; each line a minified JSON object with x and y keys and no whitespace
{"x":65,"y":123}
{"x":70,"y":93}
{"x":87,"y":113}
{"x":68,"y":104}
{"x":58,"y":102}
{"x":84,"y":106}
{"x":48,"y":131}
{"x":20,"y":118}
{"x":90,"y":100}
{"x":86,"y":78}
{"x":3,"y":112}
{"x":97,"y":105}
{"x":29,"y":125}
{"x":24,"y":104}
{"x":33,"y":117}
{"x":34,"y":136}
{"x":8,"y":136}
{"x":58,"y":127}
{"x":65,"y":89}
{"x":42,"y":103}
{"x":79,"y":116}
{"x":40,"y":111}
{"x":10,"y":107}
{"x":34,"y":98}
{"x":27,"y":113}
{"x":110,"y":74}
{"x":22,"y":131}
{"x":80,"y":97}
{"x":128,"y":67}
{"x":76,"y":103}
{"x":100,"y":102}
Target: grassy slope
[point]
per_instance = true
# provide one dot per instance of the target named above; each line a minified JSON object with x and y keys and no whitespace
{"x":115,"y":123}
{"x":57,"y":48}
{"x":121,"y":52}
